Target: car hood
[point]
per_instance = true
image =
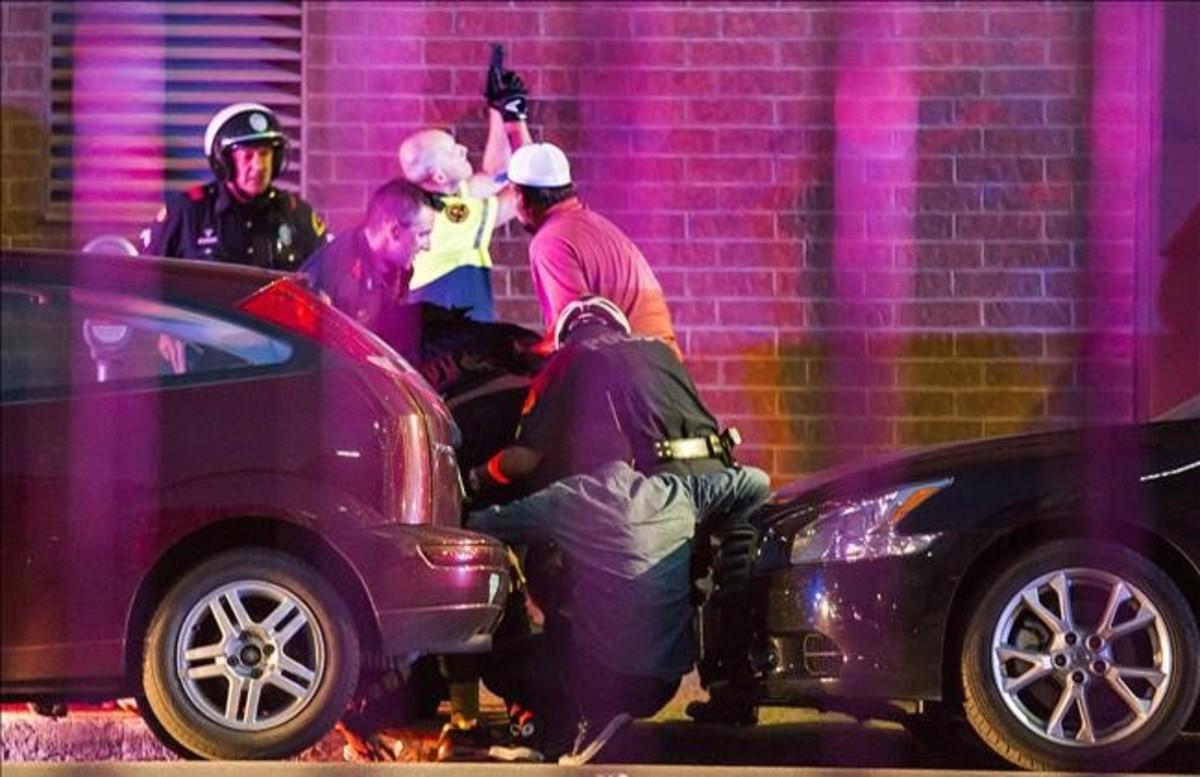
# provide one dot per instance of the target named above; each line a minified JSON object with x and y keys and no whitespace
{"x":859,"y":479}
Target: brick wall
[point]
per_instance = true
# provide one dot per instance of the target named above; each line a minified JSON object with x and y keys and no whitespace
{"x":877,"y":225}
{"x":871,"y":221}
{"x":24,"y":164}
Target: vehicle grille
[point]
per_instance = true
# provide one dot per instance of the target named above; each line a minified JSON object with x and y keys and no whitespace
{"x":821,"y":656}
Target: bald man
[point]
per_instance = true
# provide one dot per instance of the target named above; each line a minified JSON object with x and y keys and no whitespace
{"x":456,"y":270}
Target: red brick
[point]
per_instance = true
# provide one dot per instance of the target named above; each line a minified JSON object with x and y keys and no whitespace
{"x":866,"y":373}
{"x":673,"y":197}
{"x":1031,"y":81}
{"x":764,"y":372}
{"x":632,"y":170}
{"x":676,"y":23}
{"x":940,"y":198}
{"x":998,"y":226}
{"x":579,"y":21}
{"x":742,"y":402}
{"x":997,"y":284}
{"x":739,"y":283}
{"x":943,"y":315}
{"x":1031,"y":23}
{"x":1027,"y":314}
{"x":939,"y":373}
{"x":1039,"y":197}
{"x":650,"y":225}
{"x":807,"y":53}
{"x":731,"y":225}
{"x":948,"y":83}
{"x":993,"y":345}
{"x":498,"y":22}
{"x":1028,"y":141}
{"x":852,"y":313}
{"x":694,"y":312}
{"x":931,"y":254}
{"x":788,"y":22}
{"x":1038,"y":254}
{"x":1090,"y":284}
{"x":1072,"y":169}
{"x":670,"y":83}
{"x":949,"y":140}
{"x":718,"y":169}
{"x":912,"y":403}
{"x":760,"y":254}
{"x":394,"y":20}
{"x":29,"y":49}
{"x":728,"y":342}
{"x":911,"y":345}
{"x":932,"y":226}
{"x":935,"y":170}
{"x":996,"y":170}
{"x":743,"y":112}
{"x":358,"y":52}
{"x":936,"y":22}
{"x":993,"y":112}
{"x":23,"y":78}
{"x":776,"y":313}
{"x":735,"y":53}
{"x":987,"y":53}
{"x":905,"y":285}
{"x":930,"y":432}
{"x":394,"y":81}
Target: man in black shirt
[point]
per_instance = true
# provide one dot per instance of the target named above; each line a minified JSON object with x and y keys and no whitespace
{"x":629,"y":464}
{"x":241,"y":217}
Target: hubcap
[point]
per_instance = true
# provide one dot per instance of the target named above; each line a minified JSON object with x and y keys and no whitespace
{"x":250,"y":655}
{"x":1081,"y":657}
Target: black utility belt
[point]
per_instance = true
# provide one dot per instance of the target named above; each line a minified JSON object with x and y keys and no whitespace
{"x":712,"y":446}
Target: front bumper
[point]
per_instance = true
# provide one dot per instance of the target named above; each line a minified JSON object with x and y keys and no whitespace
{"x":423,"y":602}
{"x":871,"y":630}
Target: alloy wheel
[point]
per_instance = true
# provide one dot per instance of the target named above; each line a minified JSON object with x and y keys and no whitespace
{"x":1082,"y":657}
{"x":250,"y":655}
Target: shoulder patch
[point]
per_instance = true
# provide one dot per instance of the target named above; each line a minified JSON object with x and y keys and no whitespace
{"x":317,"y":224}
{"x":457,"y":212}
{"x":196,"y":193}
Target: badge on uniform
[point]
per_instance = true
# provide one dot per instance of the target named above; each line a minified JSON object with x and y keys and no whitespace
{"x":285,"y":235}
{"x":258,"y":122}
{"x":208,"y":238}
{"x":457,"y":212}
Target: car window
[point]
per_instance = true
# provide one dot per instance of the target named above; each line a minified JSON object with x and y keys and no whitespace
{"x":55,"y":337}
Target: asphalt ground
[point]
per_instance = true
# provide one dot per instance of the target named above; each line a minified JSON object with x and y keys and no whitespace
{"x":786,"y":741}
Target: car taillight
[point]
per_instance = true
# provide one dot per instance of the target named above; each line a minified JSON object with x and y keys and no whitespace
{"x":458,"y":554}
{"x":287,"y":304}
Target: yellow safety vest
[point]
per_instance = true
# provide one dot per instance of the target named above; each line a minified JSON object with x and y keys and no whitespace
{"x":462,"y":232}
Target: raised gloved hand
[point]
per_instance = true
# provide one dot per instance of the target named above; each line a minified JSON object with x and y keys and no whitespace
{"x":505,"y":91}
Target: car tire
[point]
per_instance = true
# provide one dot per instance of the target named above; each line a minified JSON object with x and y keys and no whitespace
{"x":251,"y":655}
{"x":1104,"y":683}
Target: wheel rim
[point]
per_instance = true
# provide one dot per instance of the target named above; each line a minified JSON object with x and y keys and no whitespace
{"x":1082,"y":657}
{"x":250,"y":655}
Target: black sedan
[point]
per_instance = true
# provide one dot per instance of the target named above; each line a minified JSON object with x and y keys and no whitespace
{"x":1045,"y":587}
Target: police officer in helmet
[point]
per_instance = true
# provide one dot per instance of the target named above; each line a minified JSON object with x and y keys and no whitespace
{"x":241,"y":217}
{"x":630,"y":465}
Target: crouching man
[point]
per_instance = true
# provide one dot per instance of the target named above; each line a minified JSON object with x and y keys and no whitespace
{"x":629,"y":463}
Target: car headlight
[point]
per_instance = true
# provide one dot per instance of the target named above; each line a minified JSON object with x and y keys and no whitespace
{"x":865,"y":528}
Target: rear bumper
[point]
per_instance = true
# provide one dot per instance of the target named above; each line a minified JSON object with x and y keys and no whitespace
{"x":431,"y":589}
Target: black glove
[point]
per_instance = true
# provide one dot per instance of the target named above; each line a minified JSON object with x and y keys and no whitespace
{"x":505,"y":91}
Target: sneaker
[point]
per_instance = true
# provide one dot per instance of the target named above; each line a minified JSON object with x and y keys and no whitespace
{"x":724,"y":710}
{"x":515,"y":753}
{"x":580,"y":754}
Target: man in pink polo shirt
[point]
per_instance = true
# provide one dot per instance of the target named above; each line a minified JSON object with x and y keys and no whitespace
{"x":576,"y":251}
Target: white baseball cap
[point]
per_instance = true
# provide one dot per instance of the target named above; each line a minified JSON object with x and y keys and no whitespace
{"x":539,"y":164}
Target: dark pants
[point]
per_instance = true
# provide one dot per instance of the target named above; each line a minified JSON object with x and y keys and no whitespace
{"x":562,"y":684}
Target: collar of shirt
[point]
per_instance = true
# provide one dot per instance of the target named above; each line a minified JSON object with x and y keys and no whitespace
{"x":225,"y":200}
{"x":566,"y":206}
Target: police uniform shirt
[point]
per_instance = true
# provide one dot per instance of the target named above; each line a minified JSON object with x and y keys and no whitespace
{"x":276,"y":230}
{"x":357,"y":284}
{"x":456,"y":270}
{"x":609,"y":398}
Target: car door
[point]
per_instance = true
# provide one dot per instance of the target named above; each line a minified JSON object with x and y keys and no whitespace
{"x":81,"y":400}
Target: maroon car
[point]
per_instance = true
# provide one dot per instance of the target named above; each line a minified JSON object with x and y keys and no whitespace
{"x":223,"y":497}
